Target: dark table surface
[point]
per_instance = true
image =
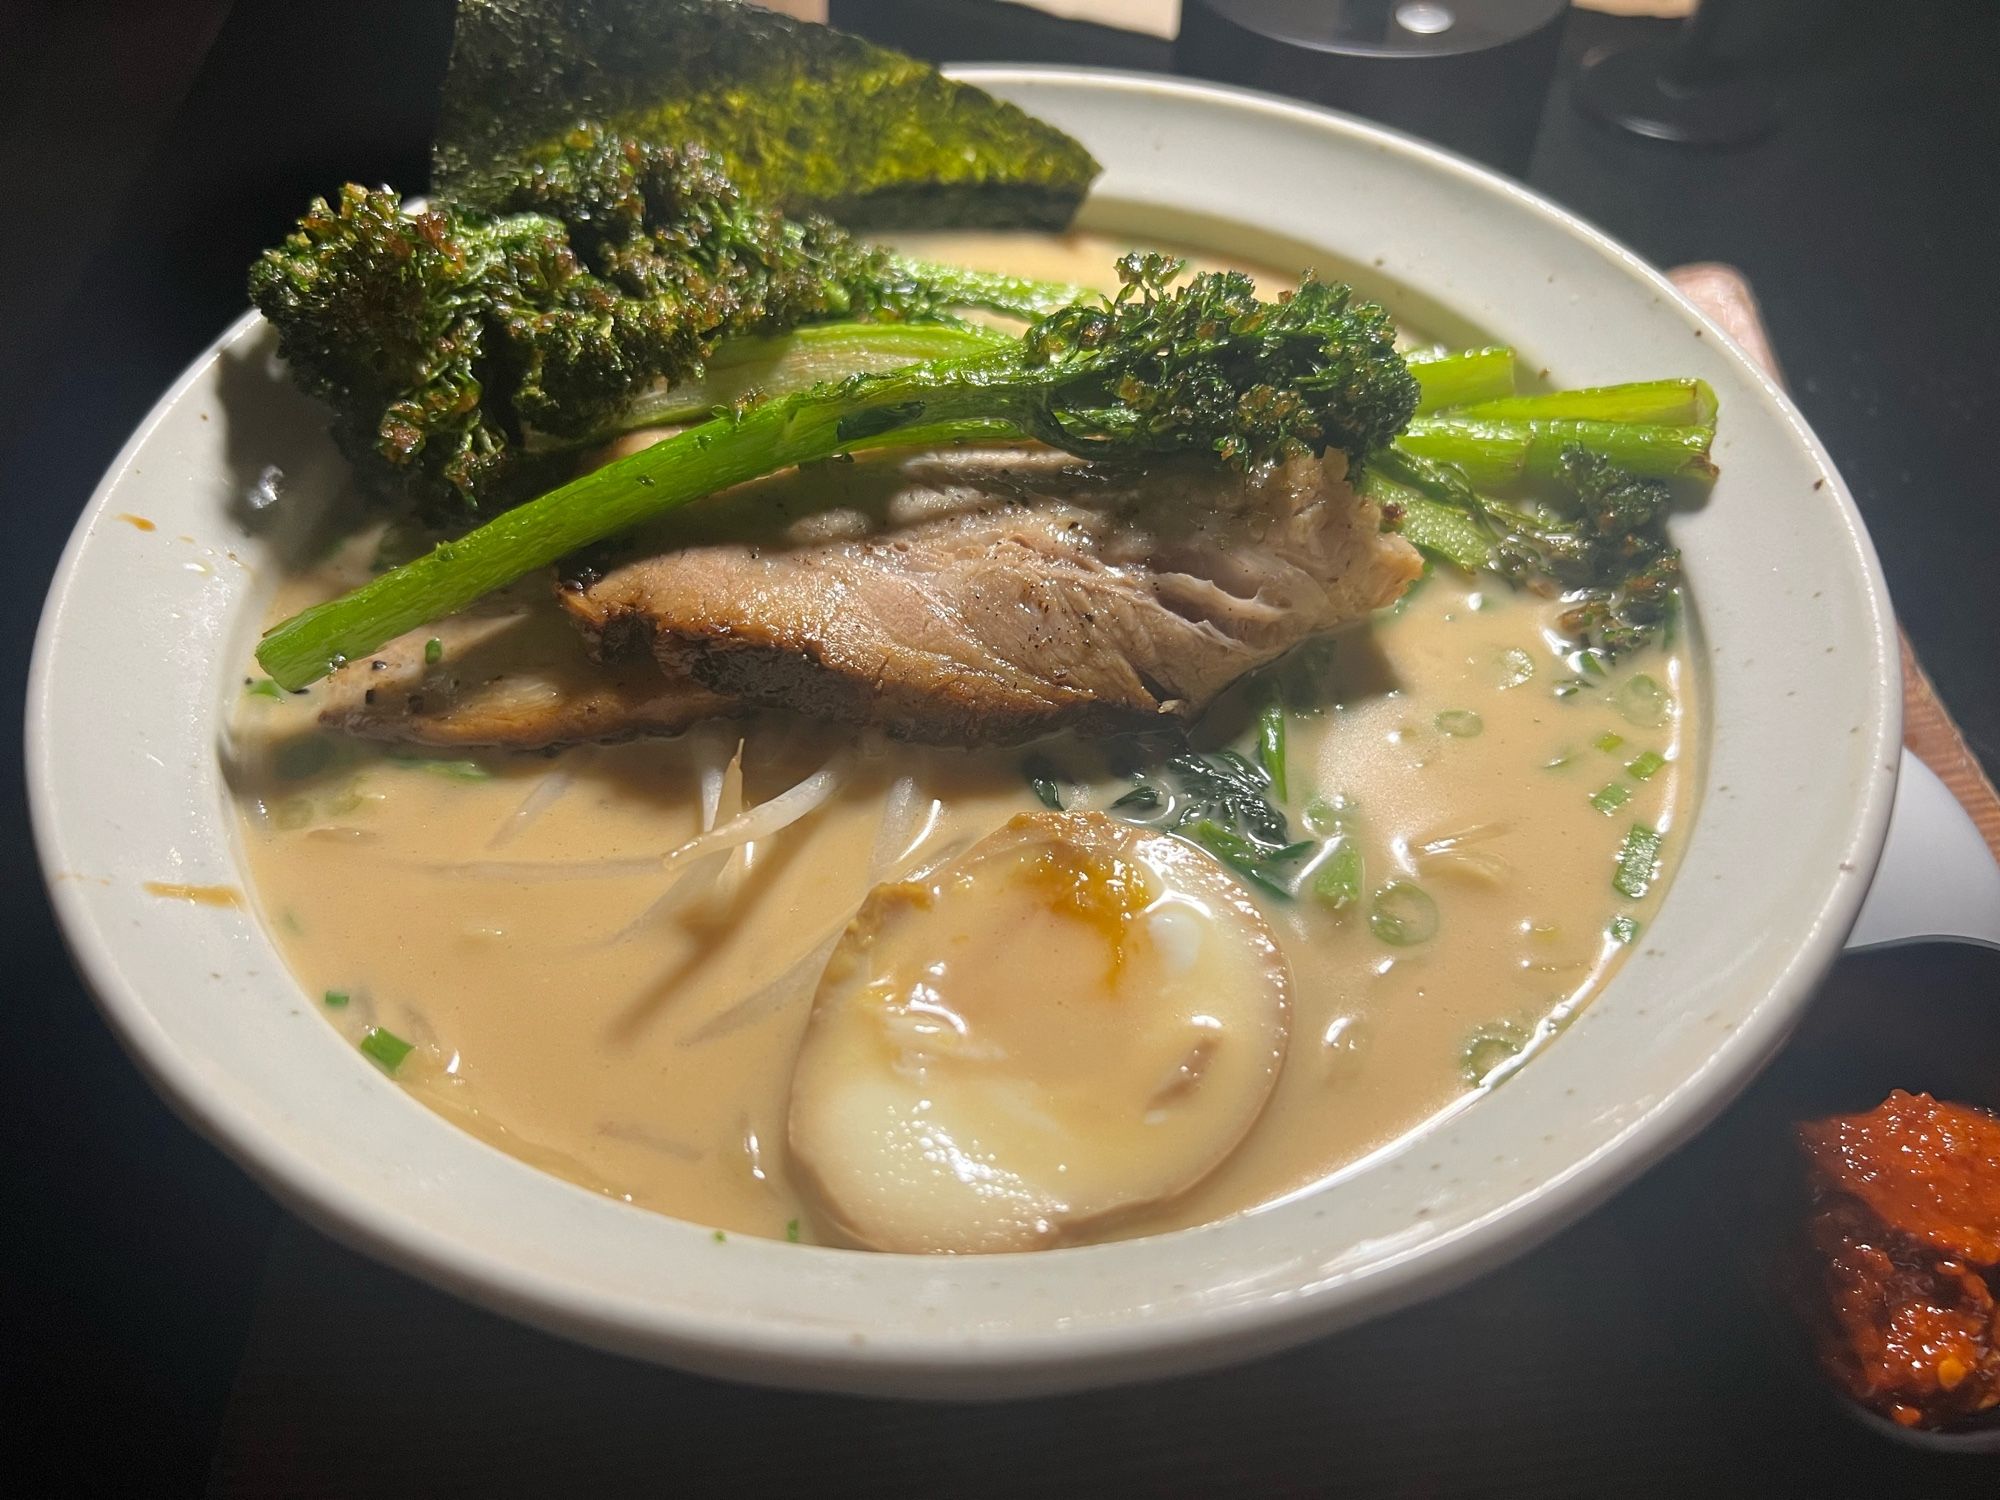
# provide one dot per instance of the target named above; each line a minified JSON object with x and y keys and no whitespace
{"x":165,"y":1328}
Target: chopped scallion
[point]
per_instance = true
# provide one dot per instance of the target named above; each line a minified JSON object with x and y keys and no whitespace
{"x":1337,"y":881}
{"x":433,"y":651}
{"x":1460,"y":723}
{"x":1403,"y":915}
{"x":386,"y":1048}
{"x":1645,"y":766}
{"x":1489,"y":1049}
{"x":1642,"y":702}
{"x":1328,"y":814}
{"x":336,"y":999}
{"x":1638,"y":862}
{"x":792,"y":1230}
{"x":1609,"y":741}
{"x":1512,"y":667}
{"x":1623,"y":930}
{"x":1608,"y":799}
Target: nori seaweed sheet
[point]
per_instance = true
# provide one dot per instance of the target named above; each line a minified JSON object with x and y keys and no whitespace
{"x":806,"y":118}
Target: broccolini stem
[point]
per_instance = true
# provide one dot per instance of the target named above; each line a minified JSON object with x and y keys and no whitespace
{"x":990,"y":291}
{"x":1433,"y":526}
{"x":1676,"y":403}
{"x":986,"y":396}
{"x":1162,"y":369}
{"x":1462,"y":376}
{"x":1503,"y":453}
{"x":781,"y":364}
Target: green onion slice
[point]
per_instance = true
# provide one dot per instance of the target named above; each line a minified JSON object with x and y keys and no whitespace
{"x":1608,"y":799}
{"x":386,"y":1047}
{"x":1403,"y":915}
{"x":1638,"y":863}
{"x":1460,"y":723}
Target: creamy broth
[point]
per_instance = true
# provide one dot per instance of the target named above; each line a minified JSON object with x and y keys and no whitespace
{"x":493,"y":910}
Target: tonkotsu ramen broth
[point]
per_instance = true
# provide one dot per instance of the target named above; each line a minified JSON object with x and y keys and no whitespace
{"x":1484,"y":807}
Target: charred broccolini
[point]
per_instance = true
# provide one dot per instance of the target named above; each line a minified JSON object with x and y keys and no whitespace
{"x":465,"y":352}
{"x":1205,"y":367}
{"x":1599,"y":541}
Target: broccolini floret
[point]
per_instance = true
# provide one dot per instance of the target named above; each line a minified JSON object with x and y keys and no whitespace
{"x":463,"y":352}
{"x":1161,"y":370}
{"x":1599,"y":544}
{"x":1612,"y":559}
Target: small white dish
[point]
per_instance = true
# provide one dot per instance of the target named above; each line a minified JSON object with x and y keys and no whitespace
{"x":146,"y":632}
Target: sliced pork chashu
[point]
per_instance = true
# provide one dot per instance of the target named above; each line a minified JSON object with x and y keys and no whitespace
{"x":994,"y":595}
{"x":513,"y":675}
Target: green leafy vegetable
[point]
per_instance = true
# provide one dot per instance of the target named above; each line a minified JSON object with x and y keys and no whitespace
{"x":1204,"y":368}
{"x":801,"y":115}
{"x":1271,"y":745}
{"x":386,"y":1048}
{"x":1276,"y":870}
{"x":1226,"y":788}
{"x":1222,"y":802}
{"x":1638,"y":863}
{"x":1042,"y":781}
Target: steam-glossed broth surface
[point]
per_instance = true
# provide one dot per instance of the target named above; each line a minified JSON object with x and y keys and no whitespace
{"x":496,"y":910}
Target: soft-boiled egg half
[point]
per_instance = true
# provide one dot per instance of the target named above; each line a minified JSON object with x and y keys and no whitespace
{"x":1074,"y":1019}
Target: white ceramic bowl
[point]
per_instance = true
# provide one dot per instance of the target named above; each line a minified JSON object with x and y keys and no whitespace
{"x":146,"y":634}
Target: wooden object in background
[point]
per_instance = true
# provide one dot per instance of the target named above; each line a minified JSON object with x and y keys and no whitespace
{"x":1929,"y":731}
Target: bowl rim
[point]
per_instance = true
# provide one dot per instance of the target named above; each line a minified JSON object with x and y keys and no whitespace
{"x":1010,"y":1361}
